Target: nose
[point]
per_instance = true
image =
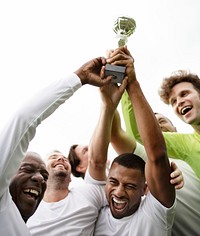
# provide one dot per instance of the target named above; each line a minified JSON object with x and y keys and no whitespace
{"x":37,"y":177}
{"x":119,"y":191}
{"x":180,"y":101}
{"x":61,"y":158}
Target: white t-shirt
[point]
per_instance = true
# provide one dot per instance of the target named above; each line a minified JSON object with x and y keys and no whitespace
{"x":75,"y":215}
{"x":14,"y":140}
{"x":11,"y":222}
{"x":151,"y":219}
{"x":187,"y":216}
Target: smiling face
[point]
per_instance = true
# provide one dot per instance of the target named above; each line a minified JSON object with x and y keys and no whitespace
{"x":185,"y":101}
{"x":164,"y":123}
{"x":58,"y":166}
{"x":29,"y":184}
{"x":124,"y":189}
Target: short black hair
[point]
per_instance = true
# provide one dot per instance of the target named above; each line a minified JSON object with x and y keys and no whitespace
{"x":130,"y":160}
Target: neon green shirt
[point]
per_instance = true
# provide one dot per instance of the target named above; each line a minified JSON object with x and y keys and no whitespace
{"x":181,"y":146}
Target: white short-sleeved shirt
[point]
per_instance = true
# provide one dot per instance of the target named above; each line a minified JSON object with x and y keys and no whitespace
{"x":151,"y":218}
{"x":187,"y":216}
{"x":75,"y":215}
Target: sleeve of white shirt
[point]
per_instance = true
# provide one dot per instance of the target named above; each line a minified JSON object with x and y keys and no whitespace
{"x":21,"y":128}
{"x":88,"y":179}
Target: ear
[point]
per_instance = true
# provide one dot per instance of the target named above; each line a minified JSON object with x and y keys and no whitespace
{"x":145,"y":189}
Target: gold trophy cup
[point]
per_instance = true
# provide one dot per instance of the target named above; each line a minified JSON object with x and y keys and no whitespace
{"x":123,"y":27}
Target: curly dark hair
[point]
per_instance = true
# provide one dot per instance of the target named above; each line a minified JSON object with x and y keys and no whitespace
{"x":176,"y":78}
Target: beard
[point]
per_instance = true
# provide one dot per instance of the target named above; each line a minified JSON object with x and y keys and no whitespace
{"x":62,"y":176}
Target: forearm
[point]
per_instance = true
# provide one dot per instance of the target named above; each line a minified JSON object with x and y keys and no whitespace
{"x":147,"y":125}
{"x":120,"y":140}
{"x":20,"y":130}
{"x":157,"y":169}
{"x":99,"y":143}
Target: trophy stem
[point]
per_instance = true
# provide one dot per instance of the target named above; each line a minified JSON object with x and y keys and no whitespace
{"x":122,"y":40}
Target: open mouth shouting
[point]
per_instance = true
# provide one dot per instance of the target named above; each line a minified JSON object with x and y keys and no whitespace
{"x":118,"y":207}
{"x":185,"y":110}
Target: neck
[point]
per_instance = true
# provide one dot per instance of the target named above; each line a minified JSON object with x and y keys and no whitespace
{"x":55,"y":196}
{"x":56,"y":190}
{"x":196,"y":128}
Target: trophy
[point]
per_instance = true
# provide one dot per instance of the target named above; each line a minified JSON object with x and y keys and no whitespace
{"x":123,"y":27}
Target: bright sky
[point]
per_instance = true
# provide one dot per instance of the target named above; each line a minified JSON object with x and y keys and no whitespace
{"x":42,"y":41}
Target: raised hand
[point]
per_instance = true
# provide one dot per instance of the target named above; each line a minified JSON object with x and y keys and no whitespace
{"x":92,"y":72}
{"x":112,"y":93}
{"x":122,"y":57}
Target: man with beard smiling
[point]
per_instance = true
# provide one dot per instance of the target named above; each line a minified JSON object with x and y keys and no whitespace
{"x":127,"y":212}
{"x":28,"y":186}
{"x":65,"y":211}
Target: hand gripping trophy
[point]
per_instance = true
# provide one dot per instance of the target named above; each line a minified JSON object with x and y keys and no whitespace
{"x":123,"y":27}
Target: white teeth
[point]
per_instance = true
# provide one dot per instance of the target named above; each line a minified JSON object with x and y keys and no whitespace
{"x":118,"y":201}
{"x":33,"y":191}
{"x":60,"y":165}
{"x":185,"y":110}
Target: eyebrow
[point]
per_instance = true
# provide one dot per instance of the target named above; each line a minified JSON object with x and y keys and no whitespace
{"x":27,"y":164}
{"x":33,"y":166}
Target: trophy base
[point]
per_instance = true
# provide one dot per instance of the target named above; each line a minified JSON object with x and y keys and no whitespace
{"x":116,"y":71}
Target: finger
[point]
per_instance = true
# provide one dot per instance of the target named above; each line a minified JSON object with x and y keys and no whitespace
{"x":177,"y":179}
{"x":175,"y":173}
{"x":109,"y":53}
{"x":102,"y":75}
{"x":124,"y":84}
{"x":179,"y":186}
{"x":174,"y":169}
{"x":178,"y":182}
